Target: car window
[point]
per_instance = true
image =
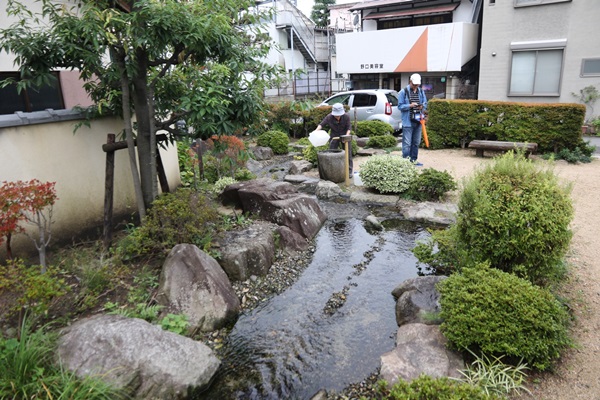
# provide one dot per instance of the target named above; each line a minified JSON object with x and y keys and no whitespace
{"x":343,"y":98}
{"x":364,"y":100}
{"x":393,"y":100}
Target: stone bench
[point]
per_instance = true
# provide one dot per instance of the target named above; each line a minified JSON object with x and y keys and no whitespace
{"x":496,"y":145}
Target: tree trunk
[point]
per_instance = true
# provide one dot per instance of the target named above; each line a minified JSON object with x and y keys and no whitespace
{"x":144,"y":131}
{"x":126,"y":99}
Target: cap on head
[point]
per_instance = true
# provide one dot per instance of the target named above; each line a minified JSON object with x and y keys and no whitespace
{"x":338,"y":109}
{"x":415,"y":79}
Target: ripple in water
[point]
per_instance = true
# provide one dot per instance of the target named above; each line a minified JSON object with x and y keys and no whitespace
{"x":290,"y":348}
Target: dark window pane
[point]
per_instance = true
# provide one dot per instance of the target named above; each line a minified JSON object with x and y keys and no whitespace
{"x":10,"y":100}
{"x":47,"y":96}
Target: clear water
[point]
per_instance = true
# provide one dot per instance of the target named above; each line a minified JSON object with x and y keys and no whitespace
{"x":290,"y":348}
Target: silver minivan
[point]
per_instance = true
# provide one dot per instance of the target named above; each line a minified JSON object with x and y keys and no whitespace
{"x":370,"y":104}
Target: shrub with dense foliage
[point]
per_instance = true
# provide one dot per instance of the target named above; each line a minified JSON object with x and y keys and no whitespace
{"x":427,"y":388}
{"x":222,"y":183}
{"x":430,"y":185}
{"x":181,"y":217}
{"x":388,"y":174}
{"x":382,"y":142}
{"x":487,"y":310}
{"x":515,"y":215}
{"x":276,"y":140}
{"x":373,"y":128}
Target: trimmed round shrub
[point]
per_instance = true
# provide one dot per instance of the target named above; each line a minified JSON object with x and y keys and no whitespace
{"x":373,"y":128}
{"x":427,"y":388}
{"x":388,"y":174}
{"x":276,"y":140}
{"x":494,"y":312}
{"x":431,"y":185}
{"x":382,"y":142}
{"x":517,"y":216}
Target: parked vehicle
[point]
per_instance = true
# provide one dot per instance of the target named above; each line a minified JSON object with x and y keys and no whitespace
{"x":370,"y":104}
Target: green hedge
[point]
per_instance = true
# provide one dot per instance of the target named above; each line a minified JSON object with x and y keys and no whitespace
{"x":553,"y":126}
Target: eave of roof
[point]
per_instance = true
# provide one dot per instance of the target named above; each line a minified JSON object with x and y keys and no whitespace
{"x":413,"y":11}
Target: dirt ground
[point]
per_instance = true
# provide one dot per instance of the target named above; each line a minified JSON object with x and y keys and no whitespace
{"x":577,"y":375}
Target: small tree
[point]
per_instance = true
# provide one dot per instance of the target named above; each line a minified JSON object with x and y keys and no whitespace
{"x":27,"y":201}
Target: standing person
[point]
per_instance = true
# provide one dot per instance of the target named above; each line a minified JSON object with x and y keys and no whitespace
{"x":339,"y":124}
{"x":412,"y":102}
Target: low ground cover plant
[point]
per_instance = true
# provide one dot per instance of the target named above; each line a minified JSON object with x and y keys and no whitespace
{"x":427,"y":388}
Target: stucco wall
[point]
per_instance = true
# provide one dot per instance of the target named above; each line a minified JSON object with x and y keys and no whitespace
{"x":76,"y":162}
{"x":575,"y":21}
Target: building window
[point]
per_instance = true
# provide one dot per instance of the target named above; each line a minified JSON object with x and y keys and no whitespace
{"x":590,"y":67}
{"x":536,"y":72}
{"x":30,"y":99}
{"x":524,"y":3}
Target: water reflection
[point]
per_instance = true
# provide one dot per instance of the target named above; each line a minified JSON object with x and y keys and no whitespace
{"x":290,"y":348}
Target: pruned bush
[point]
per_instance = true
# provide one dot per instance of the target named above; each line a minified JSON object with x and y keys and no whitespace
{"x":181,"y":217}
{"x":517,"y":216}
{"x":494,"y":312}
{"x":373,"y":128}
{"x":276,"y":140}
{"x":427,"y":388}
{"x":388,"y":174}
{"x":513,"y":214}
{"x":431,"y":185}
{"x":382,"y":142}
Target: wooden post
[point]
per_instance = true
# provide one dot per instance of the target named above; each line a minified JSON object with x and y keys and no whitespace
{"x":108,"y":192}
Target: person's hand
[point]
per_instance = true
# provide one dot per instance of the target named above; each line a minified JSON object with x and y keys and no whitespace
{"x":413,"y":105}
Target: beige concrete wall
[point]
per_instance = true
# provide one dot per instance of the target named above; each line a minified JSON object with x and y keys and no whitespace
{"x":76,"y":162}
{"x":503,"y":23}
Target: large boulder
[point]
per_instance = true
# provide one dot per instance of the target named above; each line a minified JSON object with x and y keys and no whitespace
{"x":249,"y":195}
{"x":301,"y":213}
{"x":142,"y":358}
{"x":278,"y":202}
{"x":193,"y":283}
{"x":418,"y":300}
{"x":420,"y":349}
{"x":249,"y":251}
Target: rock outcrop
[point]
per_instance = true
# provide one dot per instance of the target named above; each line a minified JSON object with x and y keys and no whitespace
{"x":193,"y":283}
{"x":132,"y":354}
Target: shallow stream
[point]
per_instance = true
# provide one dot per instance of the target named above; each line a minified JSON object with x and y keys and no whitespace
{"x":297,"y":343}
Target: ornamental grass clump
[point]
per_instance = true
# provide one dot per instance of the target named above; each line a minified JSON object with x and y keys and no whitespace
{"x":388,"y":174}
{"x":494,"y":312}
